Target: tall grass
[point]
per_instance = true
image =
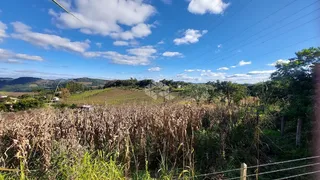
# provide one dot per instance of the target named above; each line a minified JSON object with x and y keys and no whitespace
{"x":142,"y":141}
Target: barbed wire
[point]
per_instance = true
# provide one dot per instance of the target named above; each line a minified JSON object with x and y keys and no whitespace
{"x":298,"y":175}
{"x":283,"y":162}
{"x":284,"y":169}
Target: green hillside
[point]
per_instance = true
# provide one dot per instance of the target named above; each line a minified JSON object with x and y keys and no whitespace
{"x":110,"y":96}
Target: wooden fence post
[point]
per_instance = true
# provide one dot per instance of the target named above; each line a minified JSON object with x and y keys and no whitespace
{"x":298,"y":133}
{"x":282,"y":125}
{"x":243,"y":171}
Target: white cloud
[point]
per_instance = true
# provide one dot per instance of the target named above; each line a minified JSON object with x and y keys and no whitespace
{"x":185,"y":77}
{"x":243,"y":63}
{"x":195,"y":70}
{"x":172,"y":54}
{"x":207,"y":6}
{"x":233,"y":66}
{"x":261,"y":72}
{"x":154,"y":69}
{"x":167,"y":1}
{"x":11,"y":57}
{"x":190,"y":36}
{"x":99,"y":45}
{"x":41,"y":74}
{"x":135,"y":56}
{"x":251,"y":77}
{"x":24,"y":32}
{"x":138,"y":31}
{"x":3,"y":28}
{"x":219,"y":46}
{"x":120,"y":43}
{"x":161,"y":42}
{"x":144,"y":51}
{"x":105,"y":17}
{"x":223,"y":69}
{"x":280,"y":61}
{"x":209,"y":73}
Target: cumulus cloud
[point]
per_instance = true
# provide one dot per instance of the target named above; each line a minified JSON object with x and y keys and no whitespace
{"x":167,"y":1}
{"x":41,"y":74}
{"x":11,"y":57}
{"x":154,"y":69}
{"x":208,"y":75}
{"x":223,"y":69}
{"x":172,"y":54}
{"x":99,"y":45}
{"x":105,"y":17}
{"x":161,"y":42}
{"x":190,"y":36}
{"x":195,"y":70}
{"x":262,"y":72}
{"x":138,"y":31}
{"x":136,"y":56}
{"x":23,"y":32}
{"x":120,"y":43}
{"x":3,"y":28}
{"x":243,"y":63}
{"x":280,"y":61}
{"x":185,"y":77}
{"x":207,"y":6}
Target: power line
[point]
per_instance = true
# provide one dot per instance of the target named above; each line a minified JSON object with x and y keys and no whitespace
{"x":298,"y":175}
{"x":212,"y":28}
{"x":258,"y":22}
{"x":289,"y":16}
{"x":270,"y":52}
{"x":300,"y":25}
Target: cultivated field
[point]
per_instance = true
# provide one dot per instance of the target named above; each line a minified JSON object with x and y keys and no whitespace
{"x":111,"y":96}
{"x":141,"y":141}
{"x":15,"y":94}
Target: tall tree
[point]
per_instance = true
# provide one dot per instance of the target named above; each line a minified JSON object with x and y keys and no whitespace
{"x":297,"y":78}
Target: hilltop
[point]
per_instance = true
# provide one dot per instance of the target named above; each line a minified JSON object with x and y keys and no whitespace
{"x":27,"y":84}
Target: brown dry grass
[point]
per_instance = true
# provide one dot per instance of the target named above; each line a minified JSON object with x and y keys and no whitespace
{"x":15,"y":94}
{"x":137,"y":133}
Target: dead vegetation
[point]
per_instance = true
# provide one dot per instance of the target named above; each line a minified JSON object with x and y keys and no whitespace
{"x":141,"y":136}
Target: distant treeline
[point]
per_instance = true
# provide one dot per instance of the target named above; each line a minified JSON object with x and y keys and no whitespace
{"x":142,"y":83}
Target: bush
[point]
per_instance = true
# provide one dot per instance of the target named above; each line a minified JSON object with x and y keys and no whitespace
{"x":28,"y":103}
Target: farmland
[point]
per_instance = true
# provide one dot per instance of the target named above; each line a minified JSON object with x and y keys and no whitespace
{"x":111,"y":96}
{"x":129,"y":135}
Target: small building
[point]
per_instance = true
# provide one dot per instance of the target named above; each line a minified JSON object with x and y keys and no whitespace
{"x":3,"y":97}
{"x":86,"y":107}
{"x":55,"y":99}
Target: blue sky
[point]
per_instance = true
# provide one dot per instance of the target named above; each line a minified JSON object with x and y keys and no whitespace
{"x":190,"y":40}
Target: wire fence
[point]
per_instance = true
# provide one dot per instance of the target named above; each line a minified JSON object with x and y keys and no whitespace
{"x":221,"y":173}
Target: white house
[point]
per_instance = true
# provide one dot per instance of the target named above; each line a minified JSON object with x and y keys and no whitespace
{"x":55,"y":99}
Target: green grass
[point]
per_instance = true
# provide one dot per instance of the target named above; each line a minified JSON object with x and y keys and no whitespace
{"x":111,"y":96}
{"x":100,"y":167}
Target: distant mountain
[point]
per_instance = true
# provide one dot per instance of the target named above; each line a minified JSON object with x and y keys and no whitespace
{"x":23,"y":80}
{"x":25,"y":84}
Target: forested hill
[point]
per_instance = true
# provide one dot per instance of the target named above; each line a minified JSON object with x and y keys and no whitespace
{"x":24,"y":84}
